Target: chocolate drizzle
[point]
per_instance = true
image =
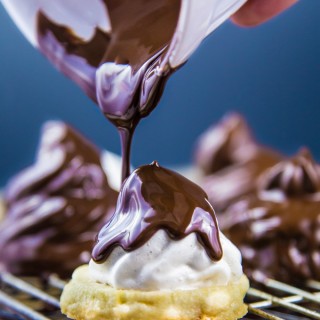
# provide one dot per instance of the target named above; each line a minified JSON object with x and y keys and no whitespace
{"x":125,"y":70}
{"x":56,"y":206}
{"x":154,"y":198}
{"x":277,"y":227}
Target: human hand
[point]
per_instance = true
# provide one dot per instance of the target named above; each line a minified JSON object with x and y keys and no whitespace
{"x":255,"y":12}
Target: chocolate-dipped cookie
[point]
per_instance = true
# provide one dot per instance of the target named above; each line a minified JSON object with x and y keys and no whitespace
{"x":277,"y":227}
{"x":230,"y":161}
{"x":56,"y":206}
{"x":161,"y":256}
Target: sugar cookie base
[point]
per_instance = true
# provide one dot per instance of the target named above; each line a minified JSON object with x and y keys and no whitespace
{"x":85,"y":299}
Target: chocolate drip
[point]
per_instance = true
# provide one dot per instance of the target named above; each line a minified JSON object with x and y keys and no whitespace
{"x":124,"y":71}
{"x":299,"y":176}
{"x":56,"y":206}
{"x":154,"y":198}
{"x":277,"y":227}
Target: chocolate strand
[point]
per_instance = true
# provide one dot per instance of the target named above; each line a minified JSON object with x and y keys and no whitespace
{"x":124,"y":71}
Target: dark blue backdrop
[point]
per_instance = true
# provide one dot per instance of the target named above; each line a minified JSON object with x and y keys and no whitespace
{"x":271,"y":74}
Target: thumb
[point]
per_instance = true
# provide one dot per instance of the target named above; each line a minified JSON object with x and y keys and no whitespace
{"x":255,"y":12}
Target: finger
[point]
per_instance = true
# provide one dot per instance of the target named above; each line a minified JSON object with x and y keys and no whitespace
{"x":255,"y":12}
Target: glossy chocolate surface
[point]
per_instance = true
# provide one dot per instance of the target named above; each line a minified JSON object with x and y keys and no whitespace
{"x":277,"y":227}
{"x":124,"y":70}
{"x":231,"y":160}
{"x":56,"y":206}
{"x":154,"y":198}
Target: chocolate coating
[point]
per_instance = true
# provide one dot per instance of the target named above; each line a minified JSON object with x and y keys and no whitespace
{"x":125,"y":70}
{"x":231,"y":160}
{"x":154,"y":198}
{"x":56,"y":206}
{"x":277,"y":227}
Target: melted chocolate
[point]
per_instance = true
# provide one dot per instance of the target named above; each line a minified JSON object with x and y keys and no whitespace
{"x":299,"y":176}
{"x":277,"y":227}
{"x":154,"y":198}
{"x":56,"y":206}
{"x":124,"y":71}
{"x":231,"y":160}
{"x":221,"y":145}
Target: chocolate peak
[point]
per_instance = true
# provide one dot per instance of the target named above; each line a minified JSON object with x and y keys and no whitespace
{"x":277,"y":227}
{"x":225,"y":144}
{"x":56,"y":206}
{"x":295,"y":177}
{"x":66,"y":164}
{"x":154,"y":198}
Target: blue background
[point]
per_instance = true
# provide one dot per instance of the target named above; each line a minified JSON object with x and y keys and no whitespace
{"x":270,"y":74}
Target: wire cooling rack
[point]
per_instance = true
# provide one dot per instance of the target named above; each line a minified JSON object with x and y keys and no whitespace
{"x":36,"y":299}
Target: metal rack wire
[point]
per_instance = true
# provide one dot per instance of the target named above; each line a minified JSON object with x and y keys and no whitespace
{"x":31,"y":298}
